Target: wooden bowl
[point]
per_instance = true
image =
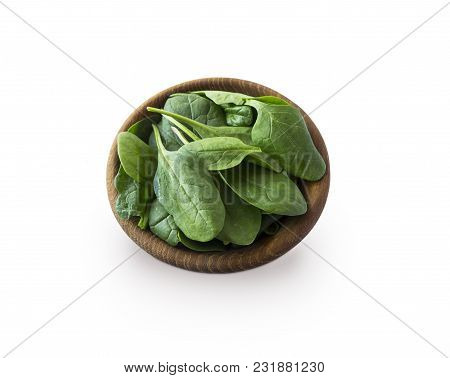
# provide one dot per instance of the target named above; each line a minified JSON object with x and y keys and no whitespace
{"x":265,"y":249}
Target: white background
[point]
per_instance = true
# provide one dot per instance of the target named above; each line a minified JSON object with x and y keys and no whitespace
{"x":385,"y":226}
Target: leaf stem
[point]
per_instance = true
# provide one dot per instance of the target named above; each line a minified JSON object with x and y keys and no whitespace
{"x":158,"y":140}
{"x":179,"y":135}
{"x":183,"y":128}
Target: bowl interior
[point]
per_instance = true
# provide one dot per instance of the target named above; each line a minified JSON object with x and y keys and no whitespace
{"x":265,"y":248}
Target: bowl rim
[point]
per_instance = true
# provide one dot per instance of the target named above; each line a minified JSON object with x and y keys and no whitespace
{"x":263,"y":250}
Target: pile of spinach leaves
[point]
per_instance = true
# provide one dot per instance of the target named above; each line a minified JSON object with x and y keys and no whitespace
{"x":217,"y":171}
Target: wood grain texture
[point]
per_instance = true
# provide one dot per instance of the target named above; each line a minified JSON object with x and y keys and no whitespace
{"x":265,"y":249}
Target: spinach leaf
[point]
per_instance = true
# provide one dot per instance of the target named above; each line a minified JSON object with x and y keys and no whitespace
{"x":137,"y":158}
{"x":142,"y":129}
{"x":162,"y":223}
{"x":181,"y":127}
{"x":267,"y":190}
{"x":180,"y":135}
{"x":219,"y":152}
{"x":156,"y":185}
{"x":225,"y":98}
{"x":281,"y":131}
{"x":170,"y":139}
{"x":132,"y":199}
{"x":187,"y":191}
{"x":239,"y":115}
{"x":143,"y":222}
{"x":191,"y":106}
{"x":127,"y":202}
{"x":222,"y":98}
{"x":122,"y":182}
{"x":152,"y":143}
{"x":259,"y":158}
{"x":206,"y":131}
{"x":264,"y":160}
{"x":271,"y":100}
{"x":197,"y":108}
{"x":210,"y":246}
{"x":242,"y":221}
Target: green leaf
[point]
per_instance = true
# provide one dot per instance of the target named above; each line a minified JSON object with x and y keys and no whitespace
{"x":128,"y":200}
{"x":187,"y":191}
{"x":142,"y":129}
{"x":162,"y":223}
{"x":127,"y":205}
{"x":143,"y":222}
{"x":210,"y":246}
{"x":205,"y":131}
{"x":152,"y":143}
{"x":239,"y":115}
{"x":281,"y":131}
{"x":179,"y":126}
{"x":271,"y":100}
{"x":123,"y":182}
{"x":133,"y":197}
{"x":191,"y":106}
{"x":267,"y":190}
{"x":137,"y":158}
{"x":264,"y":160}
{"x":219,"y":152}
{"x":170,"y":140}
{"x":222,"y":98}
{"x":242,"y":221}
{"x":196,"y":108}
